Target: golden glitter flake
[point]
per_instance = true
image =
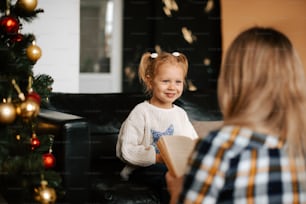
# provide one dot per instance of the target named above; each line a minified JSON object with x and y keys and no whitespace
{"x":188,"y":36}
{"x":170,"y":5}
{"x":206,"y":61}
{"x":191,"y":86}
{"x":209,"y":6}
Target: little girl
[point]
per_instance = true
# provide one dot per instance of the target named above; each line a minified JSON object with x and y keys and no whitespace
{"x":163,"y":76}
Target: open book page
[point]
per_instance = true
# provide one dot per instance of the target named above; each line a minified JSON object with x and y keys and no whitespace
{"x":175,"y":151}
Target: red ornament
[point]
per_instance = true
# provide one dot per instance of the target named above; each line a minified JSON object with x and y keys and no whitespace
{"x":16,"y":38}
{"x":34,"y":96}
{"x":9,"y":25}
{"x":49,"y":160}
{"x":35,"y":143}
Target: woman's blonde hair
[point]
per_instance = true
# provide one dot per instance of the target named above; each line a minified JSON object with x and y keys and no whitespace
{"x":262,"y":85}
{"x":150,"y":62}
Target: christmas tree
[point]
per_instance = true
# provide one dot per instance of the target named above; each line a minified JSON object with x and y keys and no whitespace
{"x":26,"y":159}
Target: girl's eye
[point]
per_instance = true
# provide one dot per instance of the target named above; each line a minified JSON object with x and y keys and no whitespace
{"x":165,"y":81}
{"x":179,"y":82}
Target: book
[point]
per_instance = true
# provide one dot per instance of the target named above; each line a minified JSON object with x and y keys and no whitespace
{"x":175,"y":151}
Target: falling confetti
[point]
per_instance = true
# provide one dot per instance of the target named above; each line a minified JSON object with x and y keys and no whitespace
{"x":209,"y":6}
{"x":206,"y":61}
{"x":170,"y":5}
{"x":188,"y":36}
{"x":191,"y":86}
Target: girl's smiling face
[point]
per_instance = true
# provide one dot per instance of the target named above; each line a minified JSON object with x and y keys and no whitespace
{"x":167,"y":85}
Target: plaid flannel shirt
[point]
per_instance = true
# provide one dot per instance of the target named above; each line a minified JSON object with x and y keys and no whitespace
{"x":236,"y":165}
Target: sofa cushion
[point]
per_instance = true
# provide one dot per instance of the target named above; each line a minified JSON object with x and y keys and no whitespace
{"x":204,"y":127}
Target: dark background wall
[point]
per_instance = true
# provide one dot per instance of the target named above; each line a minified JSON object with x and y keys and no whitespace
{"x":146,"y":26}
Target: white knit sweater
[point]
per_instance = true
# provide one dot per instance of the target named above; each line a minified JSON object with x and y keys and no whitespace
{"x":139,"y":133}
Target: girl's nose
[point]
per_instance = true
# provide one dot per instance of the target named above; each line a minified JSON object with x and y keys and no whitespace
{"x":171,"y":85}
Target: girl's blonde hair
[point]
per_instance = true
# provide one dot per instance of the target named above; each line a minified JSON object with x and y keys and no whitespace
{"x":150,"y":62}
{"x":262,"y":85}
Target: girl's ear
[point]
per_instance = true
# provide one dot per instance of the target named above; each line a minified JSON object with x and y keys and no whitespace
{"x":148,"y":82}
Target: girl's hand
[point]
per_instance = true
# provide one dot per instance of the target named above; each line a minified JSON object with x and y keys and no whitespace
{"x":174,"y":186}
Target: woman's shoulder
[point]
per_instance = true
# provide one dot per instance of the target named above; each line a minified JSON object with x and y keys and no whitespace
{"x":243,"y":137}
{"x":227,"y":139}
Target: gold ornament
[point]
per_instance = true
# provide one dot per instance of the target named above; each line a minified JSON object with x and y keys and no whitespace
{"x":45,"y":194}
{"x":27,"y":5}
{"x":33,"y":52}
{"x":28,"y":109}
{"x":20,"y":94}
{"x":7,"y":113}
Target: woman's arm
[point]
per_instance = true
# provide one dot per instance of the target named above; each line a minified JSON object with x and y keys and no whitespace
{"x":159,"y":159}
{"x":205,"y":162}
{"x":174,"y":186}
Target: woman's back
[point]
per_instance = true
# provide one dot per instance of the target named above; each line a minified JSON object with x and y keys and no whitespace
{"x":242,"y":166}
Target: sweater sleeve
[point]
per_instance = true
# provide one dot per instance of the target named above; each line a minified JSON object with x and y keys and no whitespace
{"x":132,"y":145}
{"x":188,"y":125}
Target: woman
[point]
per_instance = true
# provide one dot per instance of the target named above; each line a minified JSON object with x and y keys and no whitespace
{"x":258,"y":156}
